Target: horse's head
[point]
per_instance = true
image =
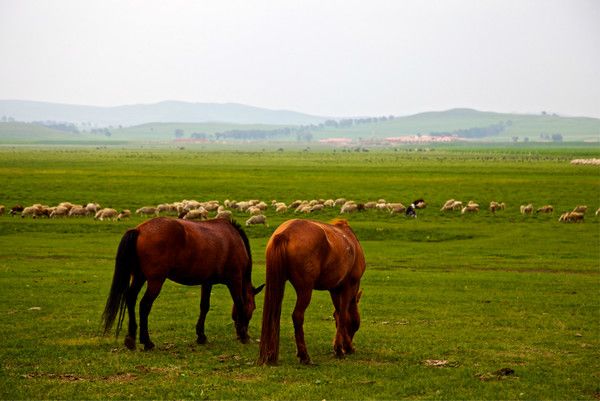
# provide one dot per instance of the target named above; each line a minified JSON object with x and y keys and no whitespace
{"x":242,"y":318}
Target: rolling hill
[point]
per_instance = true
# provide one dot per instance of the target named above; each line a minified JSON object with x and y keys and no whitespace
{"x":167,"y":111}
{"x":464,"y":123}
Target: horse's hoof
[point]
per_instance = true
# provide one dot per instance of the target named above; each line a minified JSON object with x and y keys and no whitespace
{"x":130,"y":342}
{"x":244,"y":340}
{"x":339,"y":353}
{"x":349,"y":350}
{"x":148,"y":346}
{"x":201,"y":339}
{"x":305,"y":361}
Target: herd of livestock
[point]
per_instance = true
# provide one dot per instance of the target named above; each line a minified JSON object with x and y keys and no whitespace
{"x":195,"y":210}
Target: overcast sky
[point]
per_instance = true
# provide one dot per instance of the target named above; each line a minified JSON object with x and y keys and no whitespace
{"x":333,"y":58}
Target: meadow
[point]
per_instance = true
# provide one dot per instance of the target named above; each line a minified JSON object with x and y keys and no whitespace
{"x":481,"y":306}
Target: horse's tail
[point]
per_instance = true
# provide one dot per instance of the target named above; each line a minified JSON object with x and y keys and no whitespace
{"x":126,"y":263}
{"x":275,"y":285}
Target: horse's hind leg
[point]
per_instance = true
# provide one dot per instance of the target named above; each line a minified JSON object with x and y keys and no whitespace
{"x":302,"y":302}
{"x":204,"y":307}
{"x":131,"y":299}
{"x":145,"y":305}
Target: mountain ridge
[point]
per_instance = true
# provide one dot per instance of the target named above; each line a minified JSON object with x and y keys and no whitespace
{"x":164,"y":111}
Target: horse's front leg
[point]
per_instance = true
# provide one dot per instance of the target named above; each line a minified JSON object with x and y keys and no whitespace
{"x":302,"y":302}
{"x":238,"y":314}
{"x":204,"y":308}
{"x":130,"y":301}
{"x":342,"y":344}
{"x":145,"y":306}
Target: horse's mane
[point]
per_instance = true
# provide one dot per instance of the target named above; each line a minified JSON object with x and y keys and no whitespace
{"x":240,"y":230}
{"x":339,"y":222}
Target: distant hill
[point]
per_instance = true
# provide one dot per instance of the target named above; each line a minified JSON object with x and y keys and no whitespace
{"x":168,"y":111}
{"x":464,"y":123}
{"x":17,"y":132}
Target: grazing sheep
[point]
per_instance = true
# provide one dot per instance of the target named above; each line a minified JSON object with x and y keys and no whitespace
{"x":370,"y":205}
{"x":16,"y":209}
{"x":125,"y":214}
{"x":32,"y":211}
{"x":165,"y":208}
{"x":451,"y":204}
{"x":68,"y":205}
{"x":277,"y":205}
{"x":545,"y":209}
{"x":317,"y":207}
{"x":381,"y":206}
{"x":494,"y":206}
{"x":470,"y":208}
{"x":396,"y":208}
{"x":295,"y":204}
{"x":300,"y":208}
{"x":580,"y":209}
{"x":419,"y":204}
{"x":77,"y":211}
{"x":107,"y":213}
{"x":146,"y":210}
{"x":257,"y":219}
{"x":92,"y":208}
{"x":303,"y":209}
{"x":253,"y":210}
{"x":59,"y":211}
{"x":281,"y":209}
{"x":447,"y":205}
{"x":340,"y":201}
{"x":329,"y":203}
{"x":262,"y":205}
{"x":349,"y":207}
{"x":526,"y":209}
{"x":196,"y":214}
{"x":224,"y":214}
{"x":571,"y":217}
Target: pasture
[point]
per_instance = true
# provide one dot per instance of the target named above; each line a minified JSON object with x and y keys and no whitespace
{"x":477,"y":306}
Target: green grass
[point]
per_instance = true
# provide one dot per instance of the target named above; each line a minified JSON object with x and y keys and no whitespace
{"x":483,"y":292}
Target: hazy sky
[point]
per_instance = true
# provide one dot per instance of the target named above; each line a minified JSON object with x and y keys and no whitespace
{"x":334,"y":58}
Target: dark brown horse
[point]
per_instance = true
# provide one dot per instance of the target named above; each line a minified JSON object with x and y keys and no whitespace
{"x":312,"y":255}
{"x":190,"y":253}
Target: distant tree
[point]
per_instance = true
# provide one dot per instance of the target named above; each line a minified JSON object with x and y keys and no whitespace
{"x":515,"y":139}
{"x":557,"y":138}
{"x":526,"y":139}
{"x":179,"y":133}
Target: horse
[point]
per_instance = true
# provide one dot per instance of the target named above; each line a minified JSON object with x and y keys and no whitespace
{"x":189,"y":253}
{"x":312,"y":256}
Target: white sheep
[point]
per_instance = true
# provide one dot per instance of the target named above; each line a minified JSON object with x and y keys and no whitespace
{"x":257,"y":219}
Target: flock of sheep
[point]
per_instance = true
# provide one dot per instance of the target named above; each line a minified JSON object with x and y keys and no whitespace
{"x":195,"y":210}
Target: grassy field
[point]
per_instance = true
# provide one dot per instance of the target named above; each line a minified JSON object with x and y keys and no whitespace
{"x":507,"y":305}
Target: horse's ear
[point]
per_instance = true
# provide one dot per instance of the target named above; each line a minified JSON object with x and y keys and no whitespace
{"x":358,"y":296}
{"x":258,"y":289}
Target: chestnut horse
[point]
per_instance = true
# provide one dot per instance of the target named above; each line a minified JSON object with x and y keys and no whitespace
{"x":312,"y":255}
{"x":190,"y":253}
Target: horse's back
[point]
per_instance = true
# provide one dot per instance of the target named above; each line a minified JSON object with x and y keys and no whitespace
{"x":190,"y":252}
{"x":319,"y":254}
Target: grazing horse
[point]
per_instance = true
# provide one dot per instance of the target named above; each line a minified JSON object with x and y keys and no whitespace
{"x":312,"y":256}
{"x":190,"y":253}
